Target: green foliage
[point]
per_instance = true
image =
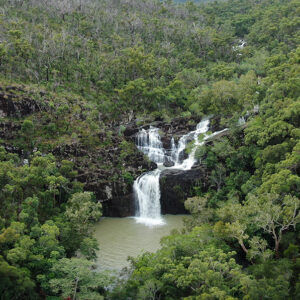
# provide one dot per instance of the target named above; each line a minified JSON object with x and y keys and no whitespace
{"x":15,"y":283}
{"x":81,"y":211}
{"x":93,"y":67}
{"x":156,"y":60}
{"x":75,"y":278}
{"x":43,"y":221}
{"x":191,"y":264}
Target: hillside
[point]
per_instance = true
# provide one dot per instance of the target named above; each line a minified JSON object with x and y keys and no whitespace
{"x":78,"y":81}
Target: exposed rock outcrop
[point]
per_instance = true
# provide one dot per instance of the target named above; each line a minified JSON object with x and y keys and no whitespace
{"x":106,"y":169}
{"x":177,"y":185}
{"x":13,"y":106}
{"x":101,"y":175}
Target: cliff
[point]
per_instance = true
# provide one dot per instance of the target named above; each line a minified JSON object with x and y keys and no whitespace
{"x":104,"y":155}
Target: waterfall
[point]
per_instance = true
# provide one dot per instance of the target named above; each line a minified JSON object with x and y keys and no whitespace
{"x":150,"y":144}
{"x":241,"y":121}
{"x":146,"y":187}
{"x":187,"y":164}
{"x":147,"y":193}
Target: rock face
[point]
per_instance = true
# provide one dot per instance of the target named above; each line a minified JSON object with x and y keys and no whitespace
{"x":112,"y":187}
{"x":108,"y":169}
{"x":120,"y":206}
{"x":176,"y":186}
{"x":11,"y":106}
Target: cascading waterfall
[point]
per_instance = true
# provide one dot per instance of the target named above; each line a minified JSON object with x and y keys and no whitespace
{"x":146,"y":187}
{"x":187,"y":164}
{"x":147,"y":192}
{"x":148,"y":141}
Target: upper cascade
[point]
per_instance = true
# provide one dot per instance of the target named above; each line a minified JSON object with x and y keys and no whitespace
{"x":193,"y":136}
{"x":149,"y":142}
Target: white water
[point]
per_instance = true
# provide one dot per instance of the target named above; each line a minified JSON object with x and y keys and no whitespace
{"x":146,"y":187}
{"x":187,"y":164}
{"x":148,"y":141}
{"x":241,"y":121}
{"x":147,"y":193}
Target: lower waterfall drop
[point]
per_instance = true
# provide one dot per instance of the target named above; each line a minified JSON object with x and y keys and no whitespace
{"x":147,"y":193}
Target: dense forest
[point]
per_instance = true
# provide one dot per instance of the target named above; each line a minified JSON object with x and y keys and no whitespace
{"x":75,"y":72}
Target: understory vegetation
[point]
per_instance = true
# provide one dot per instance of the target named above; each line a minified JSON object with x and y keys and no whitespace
{"x":91,"y":67}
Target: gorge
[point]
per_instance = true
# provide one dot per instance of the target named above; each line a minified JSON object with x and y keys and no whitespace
{"x":118,"y":180}
{"x":176,"y":170}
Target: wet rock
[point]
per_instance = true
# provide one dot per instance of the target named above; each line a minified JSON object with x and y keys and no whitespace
{"x":219,"y":135}
{"x":176,"y":187}
{"x":130,"y":130}
{"x":168,"y":162}
{"x":123,"y":206}
{"x":166,"y":141}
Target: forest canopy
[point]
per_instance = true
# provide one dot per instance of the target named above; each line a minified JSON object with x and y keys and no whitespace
{"x":91,"y":67}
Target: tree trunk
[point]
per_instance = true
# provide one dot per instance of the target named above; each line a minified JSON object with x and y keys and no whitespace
{"x":75,"y":290}
{"x":277,"y":242}
{"x":47,"y":76}
{"x":243,"y":246}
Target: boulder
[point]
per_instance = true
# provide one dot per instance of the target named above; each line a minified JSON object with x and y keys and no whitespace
{"x":168,"y":162}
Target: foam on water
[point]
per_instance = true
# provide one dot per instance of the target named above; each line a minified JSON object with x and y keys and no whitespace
{"x":150,"y":221}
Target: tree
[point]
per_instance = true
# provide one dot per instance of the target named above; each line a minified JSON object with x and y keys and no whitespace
{"x":15,"y":283}
{"x":188,"y":266}
{"x":150,"y":290}
{"x":75,"y":278}
{"x":275,"y":214}
{"x":270,"y":213}
{"x":217,"y":176}
{"x":268,"y":280}
{"x":82,"y":212}
{"x":27,"y":130}
{"x":201,"y":214}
